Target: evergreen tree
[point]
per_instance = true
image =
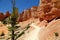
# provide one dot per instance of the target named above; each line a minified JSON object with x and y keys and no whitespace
{"x":14,"y":16}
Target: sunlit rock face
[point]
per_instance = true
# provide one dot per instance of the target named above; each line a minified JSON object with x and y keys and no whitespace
{"x":43,"y":31}
{"x":34,"y":34}
{"x":48,"y":9}
{"x":27,"y":14}
{"x":34,"y":11}
{"x":3,"y":32}
{"x":56,"y":3}
{"x":3,"y":28}
{"x":24,"y":15}
{"x":45,"y":1}
{"x":29,"y":21}
{"x":34,"y":31}
{"x":48,"y":27}
{"x":49,"y":32}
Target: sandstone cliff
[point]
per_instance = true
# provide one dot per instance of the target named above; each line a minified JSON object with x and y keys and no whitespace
{"x":46,"y":10}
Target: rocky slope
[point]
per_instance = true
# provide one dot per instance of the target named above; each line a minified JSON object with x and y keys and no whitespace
{"x":50,"y":11}
{"x":39,"y":16}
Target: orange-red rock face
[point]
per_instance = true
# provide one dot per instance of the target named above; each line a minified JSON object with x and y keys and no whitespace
{"x":45,"y":1}
{"x":50,"y":9}
{"x":27,"y":14}
{"x":7,"y":14}
{"x":2,"y":16}
{"x":47,"y":10}
{"x":34,"y":11}
{"x":24,"y":15}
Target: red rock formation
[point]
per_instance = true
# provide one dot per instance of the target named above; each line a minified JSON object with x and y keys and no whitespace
{"x":56,"y":3}
{"x":2,"y":16}
{"x":20,"y":17}
{"x":7,"y":14}
{"x":34,"y":11}
{"x":49,"y":11}
{"x":24,"y":17}
{"x":46,"y":8}
{"x":45,"y":1}
{"x":27,"y":14}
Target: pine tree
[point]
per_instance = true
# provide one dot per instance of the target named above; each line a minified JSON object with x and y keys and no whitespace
{"x":14,"y":16}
